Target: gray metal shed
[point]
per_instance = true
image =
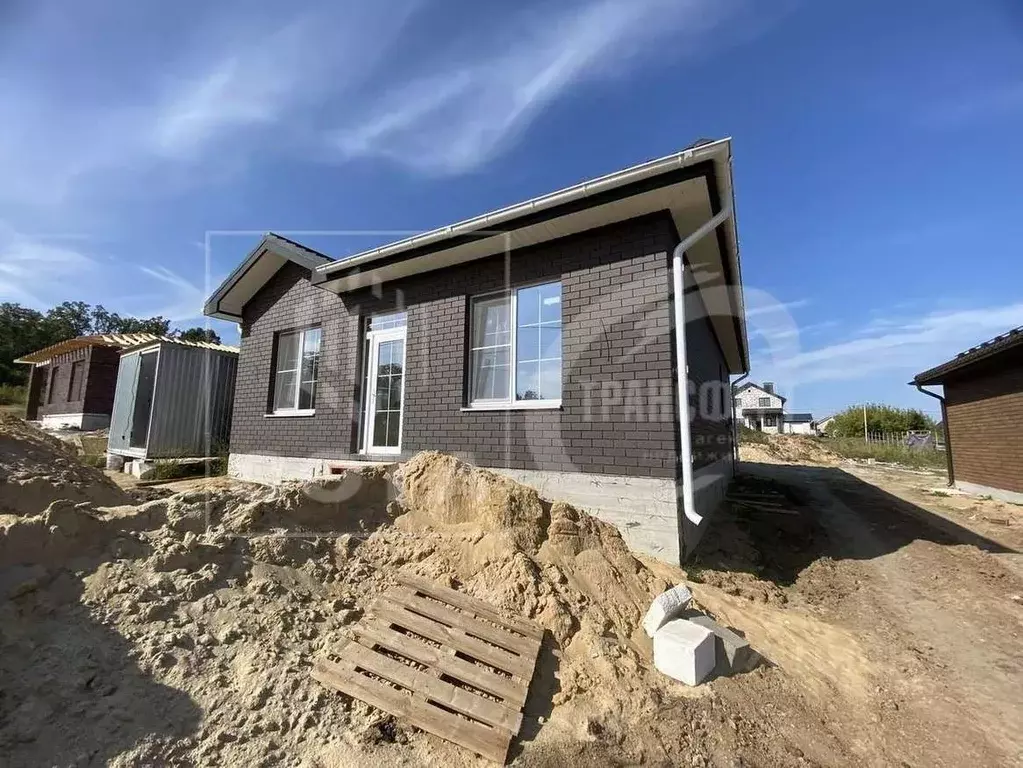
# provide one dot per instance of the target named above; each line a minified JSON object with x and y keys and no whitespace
{"x":173,"y":400}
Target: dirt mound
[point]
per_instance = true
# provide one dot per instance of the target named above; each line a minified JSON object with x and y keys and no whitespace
{"x":37,"y":469}
{"x":789,"y":449}
{"x":183,"y":630}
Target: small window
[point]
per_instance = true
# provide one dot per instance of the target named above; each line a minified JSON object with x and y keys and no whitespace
{"x":515,"y":349}
{"x":53,"y":383}
{"x":765,"y":402}
{"x":74,"y":389}
{"x":298,"y":363}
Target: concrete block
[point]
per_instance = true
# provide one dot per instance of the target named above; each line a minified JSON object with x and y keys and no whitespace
{"x":684,"y":651}
{"x":665,"y":607}
{"x":733,"y":651}
{"x":143,"y":470}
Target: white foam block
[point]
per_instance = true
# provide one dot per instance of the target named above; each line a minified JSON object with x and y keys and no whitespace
{"x":684,"y":651}
{"x":665,"y":607}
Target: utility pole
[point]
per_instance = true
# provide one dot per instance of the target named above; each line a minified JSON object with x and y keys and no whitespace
{"x":865,"y":438}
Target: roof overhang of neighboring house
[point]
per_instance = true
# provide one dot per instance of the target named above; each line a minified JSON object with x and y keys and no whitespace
{"x":262,"y":263}
{"x":116,"y":340}
{"x":798,"y":418}
{"x":971,"y":357}
{"x":692,"y":185}
{"x":160,"y":340}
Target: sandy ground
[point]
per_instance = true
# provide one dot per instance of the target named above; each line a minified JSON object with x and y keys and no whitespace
{"x":896,"y":606}
{"x":177,"y":624}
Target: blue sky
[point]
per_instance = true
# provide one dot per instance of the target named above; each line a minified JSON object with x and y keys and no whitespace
{"x":877,"y":152}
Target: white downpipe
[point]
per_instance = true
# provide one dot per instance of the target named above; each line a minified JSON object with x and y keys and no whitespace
{"x":682,"y":374}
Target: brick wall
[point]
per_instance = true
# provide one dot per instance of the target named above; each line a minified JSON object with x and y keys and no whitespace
{"x":99,"y":368}
{"x":985,"y":412}
{"x":617,"y":413}
{"x":101,"y":381}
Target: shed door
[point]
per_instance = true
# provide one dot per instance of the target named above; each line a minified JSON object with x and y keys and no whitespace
{"x":143,"y":399}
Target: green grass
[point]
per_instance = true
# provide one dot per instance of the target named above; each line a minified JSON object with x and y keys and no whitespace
{"x":747,"y":435}
{"x":855,"y":448}
{"x":12,"y":395}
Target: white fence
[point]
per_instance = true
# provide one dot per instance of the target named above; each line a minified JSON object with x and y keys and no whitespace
{"x":933,"y":439}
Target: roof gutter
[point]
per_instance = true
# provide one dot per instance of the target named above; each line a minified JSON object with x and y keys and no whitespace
{"x":944,"y":425}
{"x":682,"y":361}
{"x":580,"y":191}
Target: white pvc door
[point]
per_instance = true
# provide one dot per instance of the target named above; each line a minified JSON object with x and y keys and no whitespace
{"x":385,"y":390}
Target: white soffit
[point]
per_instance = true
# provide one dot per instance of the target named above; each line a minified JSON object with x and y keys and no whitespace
{"x":248,"y":284}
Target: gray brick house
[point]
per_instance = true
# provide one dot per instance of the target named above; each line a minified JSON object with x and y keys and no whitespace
{"x":542,"y":340}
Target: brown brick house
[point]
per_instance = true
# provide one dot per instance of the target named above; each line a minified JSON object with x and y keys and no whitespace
{"x":982,"y":409}
{"x":542,"y":340}
{"x":72,"y":382}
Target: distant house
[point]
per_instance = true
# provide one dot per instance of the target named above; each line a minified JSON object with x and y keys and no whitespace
{"x":72,"y":382}
{"x":798,"y":423}
{"x":982,"y":410}
{"x":821,"y":425}
{"x":760,"y":407}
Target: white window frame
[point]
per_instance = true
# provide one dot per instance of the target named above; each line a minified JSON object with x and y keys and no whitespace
{"x":765,"y":402}
{"x":294,"y":410}
{"x":510,"y":403}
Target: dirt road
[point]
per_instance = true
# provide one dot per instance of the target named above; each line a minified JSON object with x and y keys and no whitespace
{"x":896,"y":609}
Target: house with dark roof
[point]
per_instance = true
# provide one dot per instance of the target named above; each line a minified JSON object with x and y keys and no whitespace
{"x":798,"y":424}
{"x":759,"y":407}
{"x":580,"y":342}
{"x":982,"y":410}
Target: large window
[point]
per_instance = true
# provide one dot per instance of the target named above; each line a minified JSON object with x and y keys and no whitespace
{"x":298,"y":362}
{"x":74,"y":390}
{"x":515,"y":349}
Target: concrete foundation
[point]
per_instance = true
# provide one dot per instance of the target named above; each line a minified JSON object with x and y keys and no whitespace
{"x":645,"y":509}
{"x":87,"y":422}
{"x":995,"y":493}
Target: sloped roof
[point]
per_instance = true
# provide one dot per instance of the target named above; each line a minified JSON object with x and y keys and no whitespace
{"x":262,"y":263}
{"x":117,"y":340}
{"x":122,"y":341}
{"x":989,"y":348}
{"x":184,"y":343}
{"x":749,"y":384}
{"x":798,"y":418}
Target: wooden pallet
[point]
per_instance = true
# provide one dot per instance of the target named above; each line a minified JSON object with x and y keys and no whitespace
{"x":478,"y":665}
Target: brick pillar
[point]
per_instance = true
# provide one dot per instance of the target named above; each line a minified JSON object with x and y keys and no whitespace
{"x":36,"y":376}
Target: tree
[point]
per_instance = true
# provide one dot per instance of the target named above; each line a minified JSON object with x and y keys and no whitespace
{"x":24,"y":330}
{"x":199,"y":334}
{"x":880,"y":418}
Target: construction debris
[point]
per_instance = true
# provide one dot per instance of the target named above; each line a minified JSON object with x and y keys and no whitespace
{"x":665,"y":607}
{"x":684,"y":651}
{"x":733,"y":652}
{"x":447,"y":663}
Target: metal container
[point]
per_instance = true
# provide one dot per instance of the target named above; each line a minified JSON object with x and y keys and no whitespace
{"x":173,"y":400}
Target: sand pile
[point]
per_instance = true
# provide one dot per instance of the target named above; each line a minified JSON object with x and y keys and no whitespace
{"x":182,"y":630}
{"x":36,"y":469}
{"x":789,"y":449}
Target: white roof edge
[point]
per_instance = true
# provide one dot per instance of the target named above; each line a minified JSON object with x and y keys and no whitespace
{"x":584,"y":189}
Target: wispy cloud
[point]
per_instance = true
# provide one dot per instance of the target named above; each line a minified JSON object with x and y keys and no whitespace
{"x":30,"y":267}
{"x":899,"y":347}
{"x":468,"y":108}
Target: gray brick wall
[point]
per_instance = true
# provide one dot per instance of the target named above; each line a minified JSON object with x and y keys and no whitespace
{"x":616,"y":415}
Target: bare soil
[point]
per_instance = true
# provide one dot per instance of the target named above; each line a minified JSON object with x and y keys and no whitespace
{"x":180,"y":630}
{"x":894,"y":604}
